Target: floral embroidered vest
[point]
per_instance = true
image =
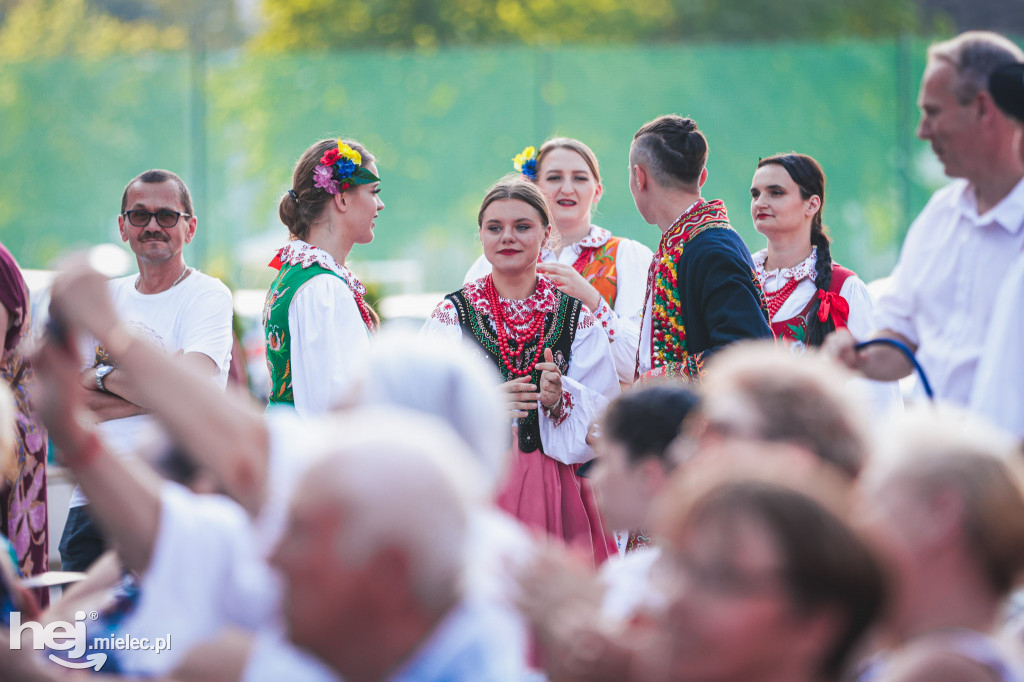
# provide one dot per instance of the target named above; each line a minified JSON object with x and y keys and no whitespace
{"x":558,"y":335}
{"x":275,"y":325}
{"x":668,"y":333}
{"x":600,"y":270}
{"x":795,"y":328}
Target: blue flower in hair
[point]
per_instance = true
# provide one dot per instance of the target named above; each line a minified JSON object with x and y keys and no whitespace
{"x":346,"y":167}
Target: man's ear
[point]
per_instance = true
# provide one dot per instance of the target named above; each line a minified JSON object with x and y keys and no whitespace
{"x":703,"y":177}
{"x":642,"y":176}
{"x":190,"y":232}
{"x":121,"y":228}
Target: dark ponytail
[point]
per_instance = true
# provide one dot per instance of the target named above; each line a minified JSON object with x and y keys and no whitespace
{"x":810,"y":178}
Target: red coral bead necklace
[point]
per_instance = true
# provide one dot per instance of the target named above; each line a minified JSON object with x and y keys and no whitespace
{"x":533,"y":322}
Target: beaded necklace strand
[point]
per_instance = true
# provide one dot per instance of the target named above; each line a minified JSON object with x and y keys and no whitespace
{"x":535,"y":324}
{"x":778,"y":298}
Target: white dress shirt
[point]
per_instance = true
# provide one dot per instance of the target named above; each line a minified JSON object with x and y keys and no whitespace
{"x":999,"y":384}
{"x":944,"y":287}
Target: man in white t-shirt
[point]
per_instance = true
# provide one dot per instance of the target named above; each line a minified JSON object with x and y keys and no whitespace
{"x":941,"y":299}
{"x":178,"y":308}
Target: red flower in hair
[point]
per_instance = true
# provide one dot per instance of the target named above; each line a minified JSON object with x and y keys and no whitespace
{"x":330,"y":157}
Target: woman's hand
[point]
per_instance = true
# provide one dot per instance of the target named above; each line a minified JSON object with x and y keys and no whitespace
{"x":572,"y":283}
{"x":522,"y":396}
{"x":550,"y":395}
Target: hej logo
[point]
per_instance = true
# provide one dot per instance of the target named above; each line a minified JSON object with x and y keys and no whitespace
{"x":59,"y":636}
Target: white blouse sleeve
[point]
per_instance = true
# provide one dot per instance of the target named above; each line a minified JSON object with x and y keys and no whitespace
{"x":329,"y":342}
{"x":589,"y":385}
{"x":622,"y":323}
{"x":443,"y":323}
{"x":884,"y":395}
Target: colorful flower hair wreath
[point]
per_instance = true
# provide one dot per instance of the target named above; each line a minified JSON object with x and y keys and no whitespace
{"x":526,"y":163}
{"x":340,"y":169}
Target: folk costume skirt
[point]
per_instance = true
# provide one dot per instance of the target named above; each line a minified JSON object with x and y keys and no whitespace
{"x":548,"y":495}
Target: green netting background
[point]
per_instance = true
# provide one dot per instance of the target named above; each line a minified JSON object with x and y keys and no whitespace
{"x":444,"y":126}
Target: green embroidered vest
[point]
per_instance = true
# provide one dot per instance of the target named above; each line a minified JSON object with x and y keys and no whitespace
{"x":275,"y":326}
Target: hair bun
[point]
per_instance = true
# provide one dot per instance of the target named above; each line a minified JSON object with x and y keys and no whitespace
{"x":687,"y":125}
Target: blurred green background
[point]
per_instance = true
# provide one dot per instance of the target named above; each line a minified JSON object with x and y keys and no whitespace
{"x":444,"y":115}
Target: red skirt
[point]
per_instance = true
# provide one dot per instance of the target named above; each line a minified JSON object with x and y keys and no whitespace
{"x":546,"y":494}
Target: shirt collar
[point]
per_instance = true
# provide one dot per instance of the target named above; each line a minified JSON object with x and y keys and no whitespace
{"x":598,"y":236}
{"x":1008,"y":213}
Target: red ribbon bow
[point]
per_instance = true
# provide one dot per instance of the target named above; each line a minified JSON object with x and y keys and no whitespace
{"x":276,"y":262}
{"x":835,"y":306}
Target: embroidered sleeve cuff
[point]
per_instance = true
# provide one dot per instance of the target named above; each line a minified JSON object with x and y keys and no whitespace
{"x":692,"y":369}
{"x":567,"y":405}
{"x":607,"y":317}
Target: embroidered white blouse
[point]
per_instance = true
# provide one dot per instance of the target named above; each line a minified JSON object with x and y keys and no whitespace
{"x":590,"y":383}
{"x":620,"y":322}
{"x":329,"y":339}
{"x":885,"y":395}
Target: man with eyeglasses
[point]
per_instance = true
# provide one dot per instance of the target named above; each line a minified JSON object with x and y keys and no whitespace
{"x":177,"y":307}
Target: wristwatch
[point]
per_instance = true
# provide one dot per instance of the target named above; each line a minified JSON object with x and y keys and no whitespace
{"x":101,"y":372}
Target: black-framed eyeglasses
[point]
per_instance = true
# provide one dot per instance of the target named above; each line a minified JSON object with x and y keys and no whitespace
{"x":165,"y":218}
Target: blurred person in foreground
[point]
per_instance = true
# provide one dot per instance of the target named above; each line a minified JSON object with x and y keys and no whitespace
{"x":766,"y":579}
{"x":23,"y":511}
{"x":374,"y":589}
{"x":180,"y":310}
{"x":998,"y":392}
{"x":761,"y":407}
{"x":944,"y":497}
{"x":632,"y":468}
{"x":941,"y":300}
{"x":263,"y":458}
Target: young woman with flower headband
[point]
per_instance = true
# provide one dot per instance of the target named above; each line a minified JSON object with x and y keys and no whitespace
{"x":554,"y":360}
{"x":607,"y":273}
{"x":316,"y":322}
{"x":809,"y":296}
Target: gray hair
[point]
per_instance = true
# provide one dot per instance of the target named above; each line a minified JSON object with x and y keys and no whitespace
{"x":444,"y":380}
{"x":974,"y":55}
{"x":403,"y":480}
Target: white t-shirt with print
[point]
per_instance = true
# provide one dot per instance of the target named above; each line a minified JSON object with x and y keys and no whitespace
{"x":193,"y":316}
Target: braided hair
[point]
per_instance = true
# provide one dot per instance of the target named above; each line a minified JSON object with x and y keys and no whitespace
{"x":810,"y":178}
{"x":673,"y":149}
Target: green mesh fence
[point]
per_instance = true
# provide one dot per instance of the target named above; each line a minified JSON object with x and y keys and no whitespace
{"x":444,"y":126}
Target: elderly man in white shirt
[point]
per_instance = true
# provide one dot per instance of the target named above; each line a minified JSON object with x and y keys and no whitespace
{"x":999,"y":386}
{"x":956,"y":254}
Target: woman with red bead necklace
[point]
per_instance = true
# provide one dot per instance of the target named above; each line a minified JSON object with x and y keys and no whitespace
{"x":607,"y":273}
{"x":316,"y":322}
{"x":553,"y":357}
{"x":809,"y":296}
